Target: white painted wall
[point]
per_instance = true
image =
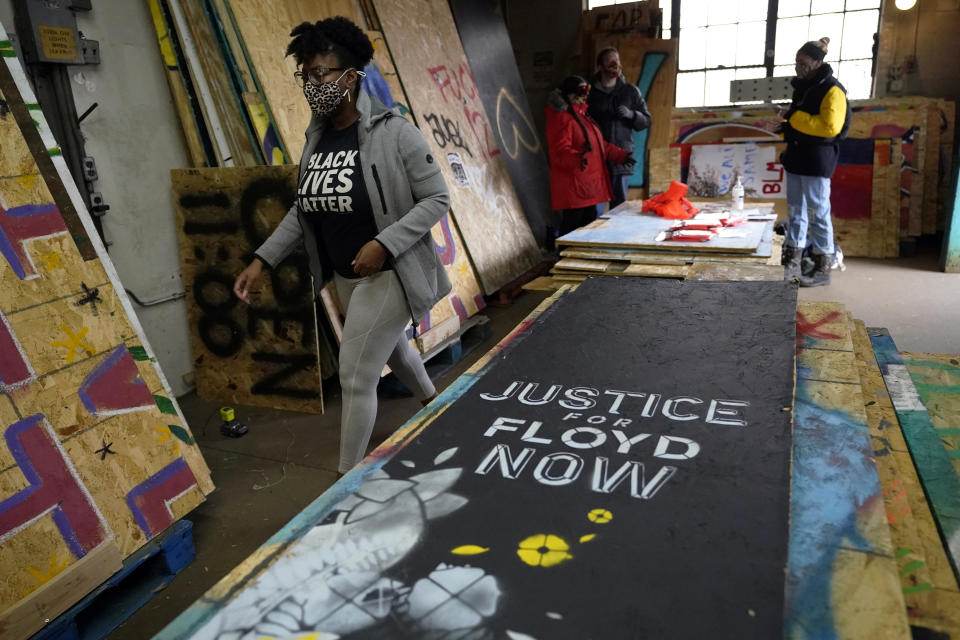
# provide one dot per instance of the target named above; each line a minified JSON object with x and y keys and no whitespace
{"x":135,"y":137}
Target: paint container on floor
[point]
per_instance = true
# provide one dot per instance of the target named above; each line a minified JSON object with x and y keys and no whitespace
{"x":231,"y":427}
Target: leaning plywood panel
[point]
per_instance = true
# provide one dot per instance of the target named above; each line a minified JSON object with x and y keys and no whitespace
{"x":265,"y":353}
{"x":438,"y":81}
{"x":265,"y":29}
{"x":96,"y":458}
{"x":487,"y":43}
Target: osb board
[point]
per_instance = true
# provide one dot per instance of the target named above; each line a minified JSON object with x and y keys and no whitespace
{"x":839,"y":538}
{"x":638,"y":270}
{"x":717,"y":271}
{"x":879,"y":235}
{"x":265,"y":30}
{"x":96,"y":458}
{"x":46,"y":604}
{"x":651,"y":64}
{"x":899,"y":123}
{"x":427,"y":53}
{"x":227,"y":107}
{"x":929,"y":587}
{"x":664,"y":167}
{"x":264,"y":354}
{"x":937,"y":378}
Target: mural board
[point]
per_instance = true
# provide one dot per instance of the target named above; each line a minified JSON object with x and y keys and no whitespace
{"x":598,"y":516}
{"x":96,"y":458}
{"x":439,"y":84}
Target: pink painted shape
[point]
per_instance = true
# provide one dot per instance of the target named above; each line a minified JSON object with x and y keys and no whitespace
{"x":115,"y":386}
{"x":20,"y":224}
{"x":15,"y":370}
{"x":54,"y":488}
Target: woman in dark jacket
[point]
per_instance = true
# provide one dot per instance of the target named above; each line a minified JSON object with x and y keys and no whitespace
{"x":579,"y":179}
{"x":369,"y":192}
{"x":818,"y":118}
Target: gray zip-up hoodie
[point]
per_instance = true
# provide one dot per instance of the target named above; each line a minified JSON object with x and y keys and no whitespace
{"x":407,"y":194}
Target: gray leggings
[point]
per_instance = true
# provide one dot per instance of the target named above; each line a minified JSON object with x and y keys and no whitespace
{"x":373,"y":335}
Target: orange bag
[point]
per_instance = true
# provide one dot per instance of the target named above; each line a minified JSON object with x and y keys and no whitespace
{"x":671,"y":203}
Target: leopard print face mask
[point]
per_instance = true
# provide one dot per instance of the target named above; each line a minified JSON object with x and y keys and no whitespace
{"x":324,"y":98}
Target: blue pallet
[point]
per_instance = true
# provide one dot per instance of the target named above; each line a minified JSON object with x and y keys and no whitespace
{"x":148,"y":570}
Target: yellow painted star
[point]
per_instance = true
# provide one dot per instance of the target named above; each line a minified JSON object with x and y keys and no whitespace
{"x":73,"y":342}
{"x":166,"y":434}
{"x":43,"y":577}
{"x":52,"y":260}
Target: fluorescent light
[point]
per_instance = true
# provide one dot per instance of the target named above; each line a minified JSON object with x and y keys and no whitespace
{"x":905,"y":5}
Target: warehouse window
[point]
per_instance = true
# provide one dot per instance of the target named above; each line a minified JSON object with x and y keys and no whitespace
{"x":724,"y":41}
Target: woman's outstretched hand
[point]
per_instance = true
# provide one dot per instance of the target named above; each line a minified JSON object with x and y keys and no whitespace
{"x":247,"y":279}
{"x":369,"y":259}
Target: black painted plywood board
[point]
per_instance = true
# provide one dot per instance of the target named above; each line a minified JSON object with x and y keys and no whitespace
{"x":490,"y":54}
{"x":619,"y":468}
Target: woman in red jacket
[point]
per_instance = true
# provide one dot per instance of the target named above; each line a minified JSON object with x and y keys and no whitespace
{"x":579,"y":155}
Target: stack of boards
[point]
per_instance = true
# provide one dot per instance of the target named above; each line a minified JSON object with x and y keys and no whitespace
{"x":892,"y":183}
{"x":865,"y":478}
{"x":624,"y":243}
{"x":241,"y":109}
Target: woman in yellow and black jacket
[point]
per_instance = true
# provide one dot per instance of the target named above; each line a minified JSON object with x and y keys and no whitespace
{"x":818,"y":118}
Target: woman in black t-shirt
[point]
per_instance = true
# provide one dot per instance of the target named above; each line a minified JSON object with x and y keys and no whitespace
{"x":368,"y":194}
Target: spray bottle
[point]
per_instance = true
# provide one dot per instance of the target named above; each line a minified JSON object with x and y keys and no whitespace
{"x":737,"y":194}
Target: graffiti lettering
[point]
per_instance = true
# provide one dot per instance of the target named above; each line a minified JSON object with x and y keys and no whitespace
{"x":229,"y":329}
{"x":446,"y":131}
{"x":292,"y":364}
{"x":259,"y":194}
{"x":773,"y":185}
{"x":508,"y":112}
{"x":203,"y":221}
{"x":302,"y":317}
{"x":486,"y":142}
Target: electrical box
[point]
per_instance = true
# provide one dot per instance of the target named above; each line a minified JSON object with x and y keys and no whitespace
{"x":53,"y":33}
{"x":761,"y":89}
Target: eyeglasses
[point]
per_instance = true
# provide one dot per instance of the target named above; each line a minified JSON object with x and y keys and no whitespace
{"x":314,"y":76}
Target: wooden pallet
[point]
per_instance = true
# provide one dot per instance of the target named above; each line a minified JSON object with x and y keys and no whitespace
{"x":144,"y":573}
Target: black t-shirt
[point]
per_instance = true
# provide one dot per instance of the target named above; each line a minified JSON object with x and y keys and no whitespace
{"x":333,"y":197}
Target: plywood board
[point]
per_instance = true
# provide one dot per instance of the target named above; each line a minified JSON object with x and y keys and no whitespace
{"x":932,"y":456}
{"x":96,"y":458}
{"x":486,"y":41}
{"x":910,"y":125}
{"x":570,"y":544}
{"x":640,"y":232}
{"x":927,"y":580}
{"x":718,"y":271}
{"x":266,"y":353}
{"x":426,"y":50}
{"x":265,"y":31}
{"x":843,"y":580}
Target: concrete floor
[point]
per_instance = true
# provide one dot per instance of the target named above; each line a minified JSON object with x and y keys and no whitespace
{"x":288,"y":459}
